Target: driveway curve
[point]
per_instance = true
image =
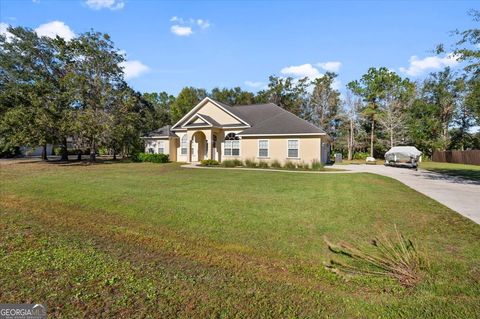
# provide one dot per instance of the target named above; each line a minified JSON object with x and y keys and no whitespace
{"x":458,"y":194}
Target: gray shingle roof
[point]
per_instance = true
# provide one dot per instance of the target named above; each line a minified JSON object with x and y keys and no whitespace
{"x":210,"y":120}
{"x":271,"y":119}
{"x":256,"y":113}
{"x":162,"y":132}
{"x":265,"y":119}
{"x":282,"y":122}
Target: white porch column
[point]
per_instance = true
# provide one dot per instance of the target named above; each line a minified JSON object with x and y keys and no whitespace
{"x":209,"y":145}
{"x":207,"y":150}
{"x":189,"y":151}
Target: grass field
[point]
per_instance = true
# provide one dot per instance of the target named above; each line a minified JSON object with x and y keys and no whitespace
{"x":130,"y":240}
{"x":471,"y":172}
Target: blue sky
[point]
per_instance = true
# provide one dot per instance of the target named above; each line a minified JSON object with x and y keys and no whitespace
{"x":170,"y":45}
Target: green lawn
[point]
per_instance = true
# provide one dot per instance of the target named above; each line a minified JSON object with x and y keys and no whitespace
{"x":471,"y":172}
{"x":153,"y":240}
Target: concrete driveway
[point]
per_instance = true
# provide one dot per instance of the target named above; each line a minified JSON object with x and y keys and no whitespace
{"x":460,"y":195}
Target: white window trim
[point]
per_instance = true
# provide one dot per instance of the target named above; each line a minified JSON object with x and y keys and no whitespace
{"x":239,"y":146}
{"x":239,"y":149}
{"x":161,"y":145}
{"x":186,"y":148}
{"x":268,"y":148}
{"x":298,"y":149}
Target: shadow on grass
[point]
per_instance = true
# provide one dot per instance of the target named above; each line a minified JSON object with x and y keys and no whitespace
{"x":74,"y":162}
{"x":88,"y":162}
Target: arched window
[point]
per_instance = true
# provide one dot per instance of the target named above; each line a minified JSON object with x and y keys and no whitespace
{"x":183,"y":145}
{"x":232,"y":145}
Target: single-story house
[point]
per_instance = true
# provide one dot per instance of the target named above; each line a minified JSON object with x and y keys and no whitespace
{"x":260,"y":132}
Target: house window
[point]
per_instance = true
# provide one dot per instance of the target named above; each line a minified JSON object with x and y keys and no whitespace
{"x":232,"y":145}
{"x":161,"y":147}
{"x":263,"y":148}
{"x":293,"y":148}
{"x":183,"y":145}
{"x":151,"y":150}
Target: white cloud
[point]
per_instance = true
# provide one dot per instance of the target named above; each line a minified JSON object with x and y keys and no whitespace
{"x":105,"y":4}
{"x":203,"y":23}
{"x":3,"y":28}
{"x":307,"y":70}
{"x":3,"y":31}
{"x":332,"y":66}
{"x":181,"y":31}
{"x":54,"y":28}
{"x":133,"y":69}
{"x":300,"y":71}
{"x":185,"y":27}
{"x":418,"y":66}
{"x":256,"y":85}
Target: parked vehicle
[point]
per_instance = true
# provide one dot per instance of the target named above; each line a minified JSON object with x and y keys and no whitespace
{"x":403,"y":156}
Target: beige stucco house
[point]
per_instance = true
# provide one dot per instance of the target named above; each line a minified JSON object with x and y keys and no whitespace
{"x":261,"y":132}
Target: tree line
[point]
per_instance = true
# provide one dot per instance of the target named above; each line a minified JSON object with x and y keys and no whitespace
{"x":52,"y":90}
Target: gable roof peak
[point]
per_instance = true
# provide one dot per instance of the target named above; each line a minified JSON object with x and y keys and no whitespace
{"x":225,"y":107}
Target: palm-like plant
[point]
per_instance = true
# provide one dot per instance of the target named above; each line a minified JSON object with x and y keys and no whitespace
{"x":395,"y":257}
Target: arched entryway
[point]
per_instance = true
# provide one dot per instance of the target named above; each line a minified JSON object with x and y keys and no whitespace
{"x":199,"y":147}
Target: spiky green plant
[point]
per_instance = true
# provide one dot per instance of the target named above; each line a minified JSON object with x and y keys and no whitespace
{"x":209,"y":162}
{"x":303,"y":165}
{"x":394,"y":256}
{"x":276,"y":164}
{"x":237,"y":162}
{"x":263,"y":164}
{"x":289,"y":165}
{"x":228,"y":163}
{"x":317,"y":166}
{"x":250,"y":163}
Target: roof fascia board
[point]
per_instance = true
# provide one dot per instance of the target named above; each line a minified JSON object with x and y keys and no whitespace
{"x":201,"y":117}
